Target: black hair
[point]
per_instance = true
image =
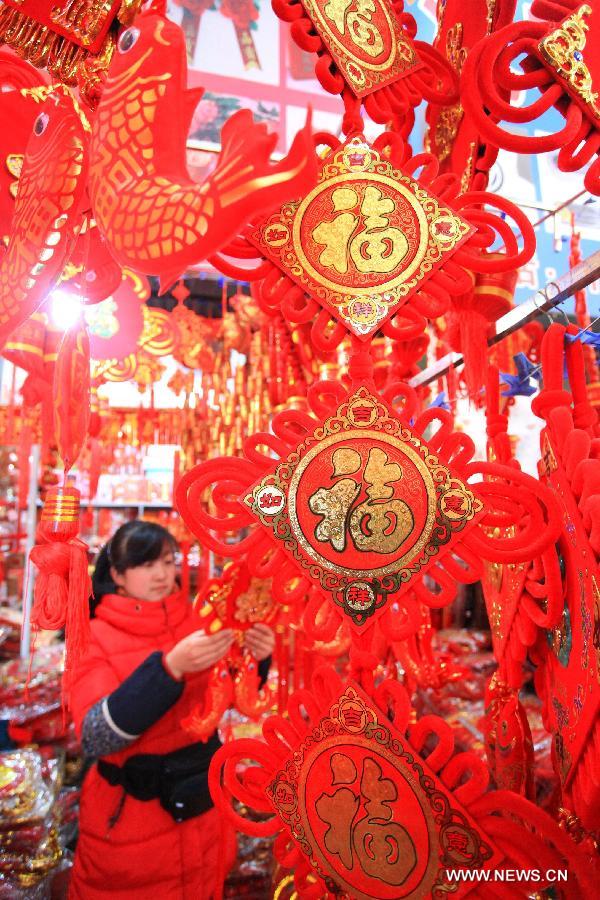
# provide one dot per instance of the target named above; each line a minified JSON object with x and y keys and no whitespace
{"x":133,"y":544}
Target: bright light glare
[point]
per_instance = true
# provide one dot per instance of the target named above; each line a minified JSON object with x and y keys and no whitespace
{"x":65,"y":309}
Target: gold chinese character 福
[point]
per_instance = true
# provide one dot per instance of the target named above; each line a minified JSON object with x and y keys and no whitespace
{"x":380,"y":523}
{"x":361,"y":29}
{"x":374,"y":246}
{"x":383,"y":848}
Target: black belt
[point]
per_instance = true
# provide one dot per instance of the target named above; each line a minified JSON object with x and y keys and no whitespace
{"x":178,"y":779}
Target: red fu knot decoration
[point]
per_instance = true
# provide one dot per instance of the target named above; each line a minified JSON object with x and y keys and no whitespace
{"x":368,"y":808}
{"x":351,"y":506}
{"x":454,"y":137}
{"x":62,"y":585}
{"x":521,"y":598}
{"x":367,"y":52}
{"x":382,"y":242}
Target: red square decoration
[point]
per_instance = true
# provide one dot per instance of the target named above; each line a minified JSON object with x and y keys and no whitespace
{"x":364,"y":239}
{"x":363,"y":506}
{"x":369,"y":814}
{"x":85,"y":23}
{"x":365,"y":41}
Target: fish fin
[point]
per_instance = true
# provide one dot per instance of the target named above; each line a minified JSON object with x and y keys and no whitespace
{"x":242,"y":136}
{"x":166,"y":280}
{"x":191,"y":99}
{"x":302,"y":146}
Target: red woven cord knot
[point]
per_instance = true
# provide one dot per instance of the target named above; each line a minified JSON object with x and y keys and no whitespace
{"x":584,"y":415}
{"x":362,"y":659}
{"x":360,"y":366}
{"x":591,"y":521}
{"x":496,"y":425}
{"x":352,"y":123}
{"x":363,"y":664}
{"x":52,"y":559}
{"x":548,"y":400}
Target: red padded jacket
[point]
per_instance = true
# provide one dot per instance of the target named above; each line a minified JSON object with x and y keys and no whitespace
{"x":145,"y":853}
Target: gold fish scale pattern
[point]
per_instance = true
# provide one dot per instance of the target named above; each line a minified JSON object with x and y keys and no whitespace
{"x":45,"y":197}
{"x":159,"y":218}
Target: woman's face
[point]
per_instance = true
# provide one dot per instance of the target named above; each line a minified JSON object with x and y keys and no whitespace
{"x":152,"y":580}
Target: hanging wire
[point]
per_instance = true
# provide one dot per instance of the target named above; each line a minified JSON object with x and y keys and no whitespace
{"x":574,"y":337}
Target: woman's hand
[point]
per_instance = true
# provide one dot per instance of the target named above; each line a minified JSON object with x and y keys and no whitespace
{"x":260,"y":641}
{"x":197,"y":652}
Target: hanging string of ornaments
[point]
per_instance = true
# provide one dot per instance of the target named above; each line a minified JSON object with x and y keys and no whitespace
{"x":360,"y":508}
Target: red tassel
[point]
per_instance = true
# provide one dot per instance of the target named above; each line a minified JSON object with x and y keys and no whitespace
{"x":473,"y":341}
{"x":63,"y":585}
{"x":475,"y":313}
{"x":96,"y":460}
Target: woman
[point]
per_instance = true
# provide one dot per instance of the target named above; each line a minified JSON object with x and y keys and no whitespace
{"x":147,"y":826}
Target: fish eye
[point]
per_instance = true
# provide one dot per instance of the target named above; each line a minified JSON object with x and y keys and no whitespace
{"x":128,"y":39}
{"x":41,"y":123}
